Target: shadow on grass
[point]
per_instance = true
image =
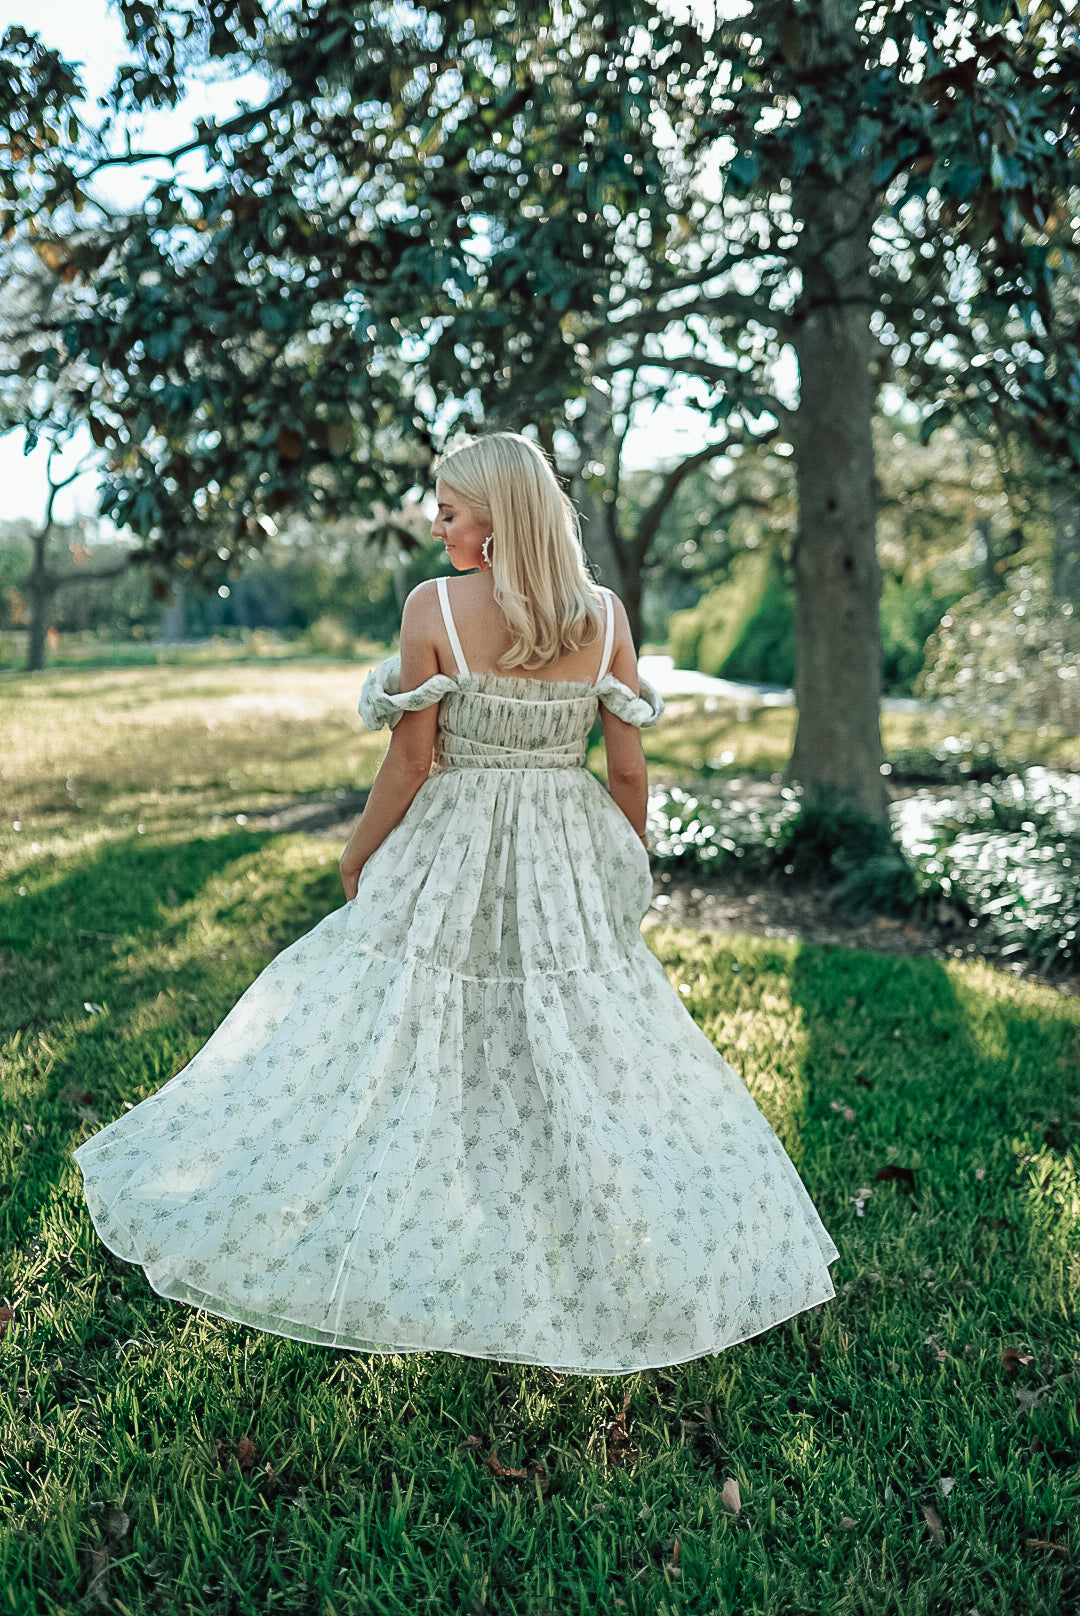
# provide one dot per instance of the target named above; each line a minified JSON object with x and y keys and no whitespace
{"x":117,"y":971}
{"x":945,"y":1117}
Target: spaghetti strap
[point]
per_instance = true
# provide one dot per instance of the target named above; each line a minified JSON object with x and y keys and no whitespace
{"x":609,"y":635}
{"x":451,"y":626}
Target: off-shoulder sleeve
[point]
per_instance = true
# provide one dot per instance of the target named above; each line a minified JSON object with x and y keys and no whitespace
{"x":642,"y":711}
{"x":381,"y":703}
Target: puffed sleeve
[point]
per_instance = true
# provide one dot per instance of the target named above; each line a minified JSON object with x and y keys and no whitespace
{"x":642,"y":711}
{"x":380,"y":702}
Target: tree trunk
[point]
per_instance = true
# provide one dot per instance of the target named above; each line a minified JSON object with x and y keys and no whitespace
{"x":39,"y":587}
{"x":611,"y":559}
{"x":837,"y":755}
{"x":1065,"y":545}
{"x":172,"y":616}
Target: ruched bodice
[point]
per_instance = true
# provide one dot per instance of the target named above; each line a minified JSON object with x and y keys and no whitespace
{"x":496,"y":721}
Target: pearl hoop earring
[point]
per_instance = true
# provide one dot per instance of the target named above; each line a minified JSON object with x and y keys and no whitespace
{"x":485,"y":550}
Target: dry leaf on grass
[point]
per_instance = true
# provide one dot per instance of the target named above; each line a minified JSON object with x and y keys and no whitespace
{"x":245,"y":1453}
{"x":617,"y":1436}
{"x":492,"y":1461}
{"x":730,"y":1496}
{"x":672,"y":1567}
{"x":1013,"y":1356}
{"x":934,"y":1523}
{"x":117,"y":1522}
{"x":6,"y":1316}
{"x":1041,"y":1543}
{"x":78,"y":1100}
{"x":847,"y":1524}
{"x":946,"y":1485}
{"x":97,"y":1589}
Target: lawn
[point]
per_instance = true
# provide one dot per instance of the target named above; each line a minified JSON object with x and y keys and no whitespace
{"x":911,"y":1447}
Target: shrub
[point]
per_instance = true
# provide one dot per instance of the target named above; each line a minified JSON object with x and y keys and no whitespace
{"x":1012,"y":659}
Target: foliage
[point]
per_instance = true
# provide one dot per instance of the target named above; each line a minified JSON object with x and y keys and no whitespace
{"x":909,"y":615}
{"x":745,"y":629}
{"x":1005,"y":855}
{"x":1009,"y":853}
{"x":1014,"y":657}
{"x":715,"y":835}
{"x":950,"y":761}
{"x":705,"y":636}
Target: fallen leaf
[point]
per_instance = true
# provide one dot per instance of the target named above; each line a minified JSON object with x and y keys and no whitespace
{"x":492,"y":1461}
{"x":1041,"y":1543}
{"x":730,"y":1496}
{"x":847,"y":1524}
{"x":1013,"y":1356}
{"x":840,"y":1049}
{"x":99,"y":1576}
{"x":245,"y":1453}
{"x":1031,"y":1399}
{"x":617,"y":1435}
{"x":980,"y":1172}
{"x":946,"y":1484}
{"x":934,"y":1523}
{"x":863,"y":1081}
{"x":849,"y":1114}
{"x":6,"y":1316}
{"x":672,"y":1567}
{"x":78,"y":1100}
{"x":117,"y":1522}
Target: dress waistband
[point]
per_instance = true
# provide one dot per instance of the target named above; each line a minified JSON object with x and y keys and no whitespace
{"x":460,"y":752}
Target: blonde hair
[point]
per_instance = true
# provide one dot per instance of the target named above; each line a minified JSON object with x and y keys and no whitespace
{"x":537,"y":562}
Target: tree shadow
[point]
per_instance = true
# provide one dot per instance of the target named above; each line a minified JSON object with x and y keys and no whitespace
{"x":115,"y":976}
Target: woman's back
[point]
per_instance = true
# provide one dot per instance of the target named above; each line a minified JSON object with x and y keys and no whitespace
{"x":485,"y":636}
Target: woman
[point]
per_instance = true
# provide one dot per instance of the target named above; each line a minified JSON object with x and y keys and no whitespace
{"x":467,"y":1111}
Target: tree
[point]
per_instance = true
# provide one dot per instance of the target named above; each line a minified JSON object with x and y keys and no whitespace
{"x":443,"y":214}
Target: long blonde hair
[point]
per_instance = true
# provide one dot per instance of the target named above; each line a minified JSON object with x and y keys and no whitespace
{"x":537,"y":561}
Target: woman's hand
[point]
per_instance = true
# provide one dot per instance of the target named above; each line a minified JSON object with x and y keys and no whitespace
{"x":349,"y":867}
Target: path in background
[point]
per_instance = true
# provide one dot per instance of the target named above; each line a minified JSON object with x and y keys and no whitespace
{"x":669,"y":680}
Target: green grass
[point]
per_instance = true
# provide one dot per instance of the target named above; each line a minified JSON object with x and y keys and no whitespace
{"x":950,"y":1351}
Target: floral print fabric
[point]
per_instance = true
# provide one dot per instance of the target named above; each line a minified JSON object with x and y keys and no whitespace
{"x":467,"y":1111}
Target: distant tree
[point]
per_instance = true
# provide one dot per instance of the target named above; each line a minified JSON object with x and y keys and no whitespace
{"x":46,"y":578}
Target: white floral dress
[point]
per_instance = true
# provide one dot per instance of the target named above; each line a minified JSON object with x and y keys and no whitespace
{"x":468,"y":1111}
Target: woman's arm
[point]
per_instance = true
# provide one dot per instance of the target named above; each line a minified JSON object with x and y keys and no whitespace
{"x":627,"y":771}
{"x":407,"y":763}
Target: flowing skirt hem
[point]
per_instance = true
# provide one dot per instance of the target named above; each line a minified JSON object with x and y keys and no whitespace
{"x":311,"y":1335}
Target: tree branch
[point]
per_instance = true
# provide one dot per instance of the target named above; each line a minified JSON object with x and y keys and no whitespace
{"x":736,"y":304}
{"x":650,"y":518}
{"x":211,"y":133}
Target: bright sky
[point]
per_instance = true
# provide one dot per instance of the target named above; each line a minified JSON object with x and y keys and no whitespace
{"x":88,"y":32}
